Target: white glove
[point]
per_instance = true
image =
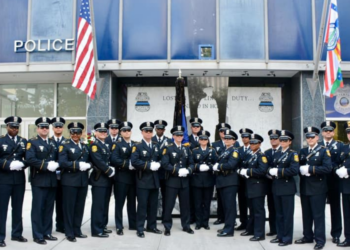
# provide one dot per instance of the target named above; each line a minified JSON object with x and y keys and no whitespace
{"x":273,"y":172}
{"x":155,"y":166}
{"x":83,"y":166}
{"x":203,"y":167}
{"x":183,"y":172}
{"x":52,"y":166}
{"x":16,"y":165}
{"x":215,"y":167}
{"x":304,"y":170}
{"x":244,"y":173}
{"x":342,"y":172}
{"x":113,"y":172}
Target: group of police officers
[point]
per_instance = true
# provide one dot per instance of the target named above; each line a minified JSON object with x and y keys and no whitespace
{"x":135,"y":171}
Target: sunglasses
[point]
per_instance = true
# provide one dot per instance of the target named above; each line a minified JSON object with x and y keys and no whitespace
{"x":328,"y":130}
{"x":126,"y":130}
{"x":195,"y":126}
{"x":254,"y":143}
{"x":310,"y":137}
{"x":245,"y":136}
{"x":348,"y":132}
{"x":178,"y":135}
{"x":75,"y":133}
{"x":202,"y":139}
{"x":160,"y":128}
{"x":44,"y":127}
{"x":12,"y":127}
{"x":102,"y":131}
{"x":58,"y":127}
{"x":113,"y":128}
{"x":148,"y":131}
{"x":273,"y":138}
{"x":284,"y":140}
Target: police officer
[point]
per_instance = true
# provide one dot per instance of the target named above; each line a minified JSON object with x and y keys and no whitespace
{"x":220,"y":146}
{"x":101,"y":181}
{"x":315,"y":165}
{"x":75,"y":164}
{"x":41,"y":156}
{"x":113,"y":137}
{"x":285,"y":167}
{"x":58,"y":138}
{"x":12,"y":179}
{"x":124,"y":179}
{"x":256,"y":188}
{"x":335,"y":147}
{"x":162,"y":141}
{"x":177,"y":161}
{"x":343,"y":173}
{"x":270,"y":153}
{"x":196,"y":124}
{"x":244,"y":152}
{"x":145,"y":158}
{"x":202,"y":182}
{"x":227,"y":182}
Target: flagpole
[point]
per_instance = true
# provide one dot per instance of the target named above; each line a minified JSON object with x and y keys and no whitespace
{"x":92,"y":16}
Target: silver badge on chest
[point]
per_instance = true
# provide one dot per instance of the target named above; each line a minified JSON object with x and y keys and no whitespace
{"x":41,"y":148}
{"x":73,"y":150}
{"x":198,"y":156}
{"x":174,"y":154}
{"x":124,"y":149}
{"x":4,"y":147}
{"x":144,"y":152}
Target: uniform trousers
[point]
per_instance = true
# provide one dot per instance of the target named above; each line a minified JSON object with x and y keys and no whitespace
{"x":228,"y":195}
{"x":202,"y":200}
{"x":43,"y":203}
{"x":284,"y":205}
{"x":242,"y":202}
{"x":99,"y":208}
{"x":335,"y":205}
{"x":184,"y":200}
{"x":59,"y":207}
{"x":16,"y":193}
{"x":147,"y":204}
{"x":256,"y":222}
{"x":124,"y":191}
{"x":313,"y":210}
{"x":346,"y":209}
{"x":73,"y":209}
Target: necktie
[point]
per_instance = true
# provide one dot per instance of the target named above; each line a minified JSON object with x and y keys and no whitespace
{"x":45,"y":141}
{"x":58,"y":140}
{"x":196,"y":138}
{"x":327,"y":144}
{"x":13,"y":139}
{"x":245,"y":149}
{"x":273,"y":152}
{"x":150,"y":146}
{"x":310,"y":150}
{"x":114,"y":139}
{"x":159,"y":140}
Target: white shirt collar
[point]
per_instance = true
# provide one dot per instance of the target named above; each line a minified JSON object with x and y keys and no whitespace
{"x":325,"y":142}
{"x":313,"y":147}
{"x":285,"y":150}
{"x":148,"y":144}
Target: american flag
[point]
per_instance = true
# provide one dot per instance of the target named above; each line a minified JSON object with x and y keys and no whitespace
{"x":84,"y":69}
{"x":333,"y":75}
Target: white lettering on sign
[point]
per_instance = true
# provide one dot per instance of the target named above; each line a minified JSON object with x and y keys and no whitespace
{"x":44,"y":45}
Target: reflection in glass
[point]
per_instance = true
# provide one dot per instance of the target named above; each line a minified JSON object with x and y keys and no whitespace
{"x":242,"y":29}
{"x":70,"y":101}
{"x":27,"y":100}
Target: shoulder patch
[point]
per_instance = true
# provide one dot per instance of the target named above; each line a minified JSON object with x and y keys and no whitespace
{"x":164,"y":151}
{"x":264,"y":159}
{"x":113,"y":147}
{"x":235,"y":154}
{"x":60,"y":149}
{"x":133,"y":149}
{"x":296,"y":158}
{"x":94,"y":148}
{"x":328,"y":153}
{"x":28,"y":145}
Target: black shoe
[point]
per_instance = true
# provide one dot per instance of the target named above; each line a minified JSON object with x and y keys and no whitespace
{"x":120,"y":232}
{"x":2,"y":243}
{"x":71,"y":239}
{"x":257,"y":238}
{"x":318,"y":246}
{"x":224,"y":234}
{"x":206,"y":227}
{"x":220,"y":230}
{"x":188,"y":230}
{"x":100,"y":235}
{"x":276,"y":240}
{"x":246,"y":234}
{"x":167,"y":232}
{"x":82,"y":236}
{"x":60,"y":230}
{"x":140,"y":234}
{"x":40,"y":241}
{"x":303,"y":241}
{"x":49,"y":237}
{"x":19,"y":239}
{"x":241,"y":227}
{"x":107,"y":231}
{"x":271,"y":234}
{"x":218,"y":221}
{"x":154,"y":230}
{"x":197,"y":228}
{"x":336,"y":240}
{"x":283,"y":244}
{"x":345,"y":243}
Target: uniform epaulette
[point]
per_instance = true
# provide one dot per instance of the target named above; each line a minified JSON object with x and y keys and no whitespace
{"x":169,"y":145}
{"x":323,"y":147}
{"x":216,"y":141}
{"x":19,"y":136}
{"x":155,"y":142}
{"x":240,"y":147}
{"x":137,"y":142}
{"x":195,"y":148}
{"x":211,"y":147}
{"x":293,"y":151}
{"x":34,"y":138}
{"x":50,"y":138}
{"x":119,"y":139}
{"x":133,"y":141}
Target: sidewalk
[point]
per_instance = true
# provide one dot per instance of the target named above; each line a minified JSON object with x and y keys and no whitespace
{"x":202,"y":239}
